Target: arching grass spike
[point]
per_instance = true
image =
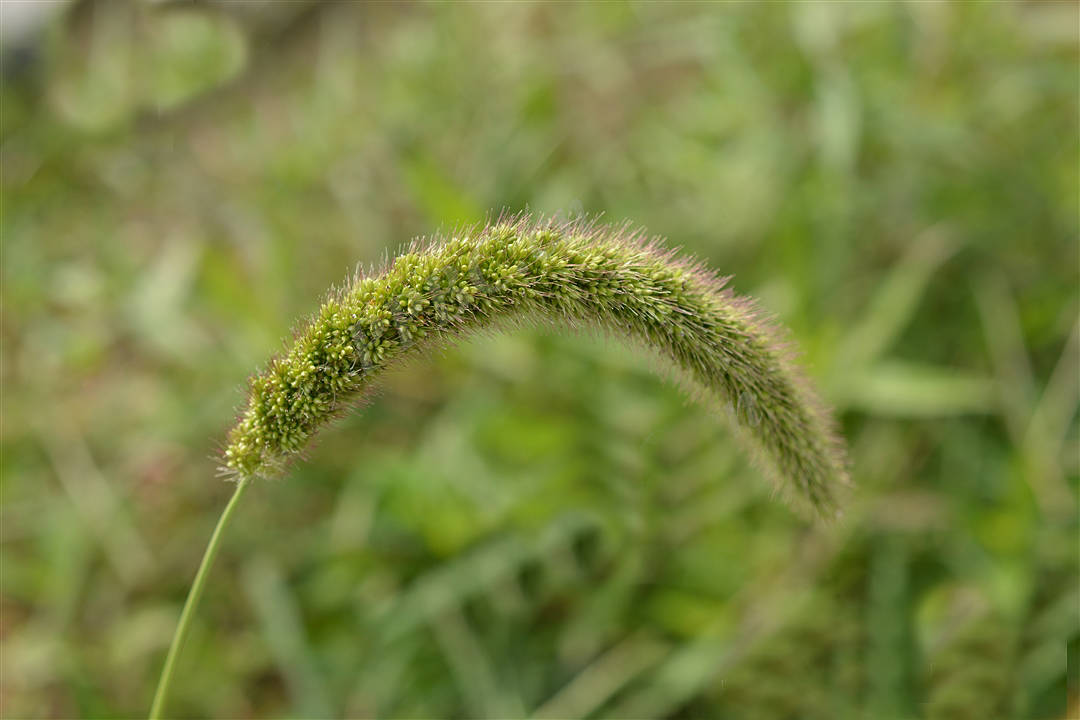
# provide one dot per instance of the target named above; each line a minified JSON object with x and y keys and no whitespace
{"x":576,"y":273}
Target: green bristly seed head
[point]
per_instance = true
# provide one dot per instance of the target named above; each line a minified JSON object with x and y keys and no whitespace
{"x":573,"y":273}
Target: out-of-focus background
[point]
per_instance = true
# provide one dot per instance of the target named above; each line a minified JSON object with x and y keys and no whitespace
{"x":535,"y":524}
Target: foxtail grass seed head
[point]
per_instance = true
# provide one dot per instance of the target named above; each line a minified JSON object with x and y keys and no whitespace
{"x":575,"y":274}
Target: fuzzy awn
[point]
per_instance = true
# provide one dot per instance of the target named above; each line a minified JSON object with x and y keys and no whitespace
{"x":521,"y":268}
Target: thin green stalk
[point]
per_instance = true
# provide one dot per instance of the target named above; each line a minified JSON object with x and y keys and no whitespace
{"x":162,"y":692}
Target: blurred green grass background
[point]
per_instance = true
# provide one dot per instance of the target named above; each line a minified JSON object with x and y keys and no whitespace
{"x":535,"y":524}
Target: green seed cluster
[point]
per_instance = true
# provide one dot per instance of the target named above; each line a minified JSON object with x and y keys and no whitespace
{"x":579,"y":274}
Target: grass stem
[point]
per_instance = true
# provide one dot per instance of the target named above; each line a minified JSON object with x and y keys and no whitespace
{"x":162,"y":692}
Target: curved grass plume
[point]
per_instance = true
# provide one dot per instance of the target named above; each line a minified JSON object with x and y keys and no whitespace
{"x":576,"y":273}
{"x":523,"y":268}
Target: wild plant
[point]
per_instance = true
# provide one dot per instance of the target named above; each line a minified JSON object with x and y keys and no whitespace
{"x":525,"y":270}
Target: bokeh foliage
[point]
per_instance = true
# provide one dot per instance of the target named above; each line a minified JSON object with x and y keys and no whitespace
{"x":534,"y":523}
